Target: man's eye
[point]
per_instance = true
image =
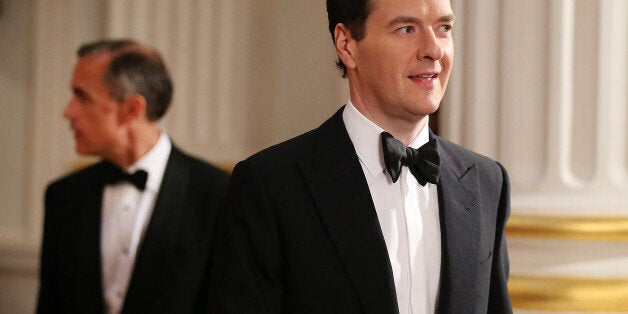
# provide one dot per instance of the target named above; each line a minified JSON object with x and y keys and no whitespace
{"x":446,"y":28}
{"x":406,"y":30}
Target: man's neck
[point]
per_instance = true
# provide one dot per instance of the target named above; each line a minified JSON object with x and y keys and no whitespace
{"x":402,"y":129}
{"x":137,"y":144}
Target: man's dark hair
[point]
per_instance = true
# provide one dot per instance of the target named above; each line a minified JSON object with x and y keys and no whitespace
{"x":351,"y":13}
{"x":134,"y":69}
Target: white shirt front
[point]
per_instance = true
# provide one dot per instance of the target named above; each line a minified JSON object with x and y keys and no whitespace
{"x":407,"y":213}
{"x":125,"y":215}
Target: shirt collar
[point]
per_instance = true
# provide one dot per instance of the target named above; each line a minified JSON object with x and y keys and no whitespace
{"x":366,"y":138}
{"x":154,"y":162}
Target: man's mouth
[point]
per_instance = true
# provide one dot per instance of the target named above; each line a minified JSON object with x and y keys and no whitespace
{"x":424,"y":77}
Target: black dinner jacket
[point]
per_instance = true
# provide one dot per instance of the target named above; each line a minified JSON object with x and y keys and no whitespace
{"x":301,"y":235}
{"x":171,"y":272}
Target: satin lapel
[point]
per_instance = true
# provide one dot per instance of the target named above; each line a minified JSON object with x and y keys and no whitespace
{"x":459,"y":194}
{"x":157,"y":248}
{"x":88,"y":265}
{"x":340,"y":192}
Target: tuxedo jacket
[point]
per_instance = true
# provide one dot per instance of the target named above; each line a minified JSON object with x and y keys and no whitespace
{"x":171,"y":266}
{"x":300,"y":232}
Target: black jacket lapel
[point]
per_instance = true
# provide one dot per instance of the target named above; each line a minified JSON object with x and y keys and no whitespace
{"x":341,"y":195}
{"x":88,"y":289}
{"x":458,"y":197}
{"x":157,"y":247}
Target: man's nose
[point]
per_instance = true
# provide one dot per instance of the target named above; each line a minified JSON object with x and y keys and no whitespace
{"x":68,"y":111}
{"x":430,"y":47}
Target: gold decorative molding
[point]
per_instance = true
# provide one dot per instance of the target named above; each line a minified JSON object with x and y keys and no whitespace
{"x":568,"y":294}
{"x":577,"y":227}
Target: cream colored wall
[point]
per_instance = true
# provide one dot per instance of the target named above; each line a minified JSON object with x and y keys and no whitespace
{"x":37,"y":40}
{"x":249,"y":74}
{"x":17,"y":257}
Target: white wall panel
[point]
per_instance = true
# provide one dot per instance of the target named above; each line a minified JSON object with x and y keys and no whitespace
{"x":612,"y":123}
{"x":47,"y":33}
{"x":545,"y":93}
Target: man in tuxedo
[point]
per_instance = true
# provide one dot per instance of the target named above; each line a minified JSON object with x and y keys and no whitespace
{"x":132,"y":233}
{"x":371,"y":212}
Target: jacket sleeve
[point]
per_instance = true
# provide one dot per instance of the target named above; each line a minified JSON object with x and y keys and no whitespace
{"x":499,"y":300}
{"x":246,"y":276}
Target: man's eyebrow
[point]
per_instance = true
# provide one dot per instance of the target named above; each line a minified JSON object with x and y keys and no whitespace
{"x":404,"y":20}
{"x":447,"y":18}
{"x":414,"y":20}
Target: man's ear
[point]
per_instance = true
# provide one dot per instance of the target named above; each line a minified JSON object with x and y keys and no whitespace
{"x":133,"y":108}
{"x":345,"y":45}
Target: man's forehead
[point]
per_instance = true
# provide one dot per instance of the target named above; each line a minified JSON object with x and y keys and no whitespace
{"x":96,"y":59}
{"x":413,"y":7}
{"x":92,"y":64}
{"x":89,"y":70}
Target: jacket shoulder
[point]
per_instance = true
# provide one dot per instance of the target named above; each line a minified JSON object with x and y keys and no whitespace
{"x":197,"y":163}
{"x":288,"y":152}
{"x":202,"y":173}
{"x":78,"y":177}
{"x":294,"y":150}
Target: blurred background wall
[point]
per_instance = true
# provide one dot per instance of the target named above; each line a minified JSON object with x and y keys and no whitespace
{"x":539,"y":85}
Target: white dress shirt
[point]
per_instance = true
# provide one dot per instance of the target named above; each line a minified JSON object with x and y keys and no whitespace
{"x":407,"y":213}
{"x":125,"y":215}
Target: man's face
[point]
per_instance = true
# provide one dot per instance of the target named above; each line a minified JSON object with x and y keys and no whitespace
{"x":403,"y":63}
{"x":92,"y":113}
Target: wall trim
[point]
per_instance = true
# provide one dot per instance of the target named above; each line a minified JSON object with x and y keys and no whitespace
{"x":593,"y":228}
{"x":568,"y":294}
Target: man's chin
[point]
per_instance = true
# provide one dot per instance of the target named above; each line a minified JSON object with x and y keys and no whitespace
{"x":83,"y":151}
{"x":425,"y":109}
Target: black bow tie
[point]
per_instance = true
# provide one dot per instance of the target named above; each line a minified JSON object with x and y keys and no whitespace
{"x":138,"y":178}
{"x":424,"y":162}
